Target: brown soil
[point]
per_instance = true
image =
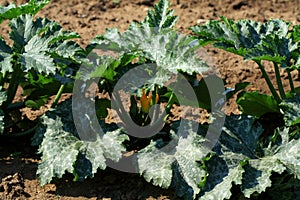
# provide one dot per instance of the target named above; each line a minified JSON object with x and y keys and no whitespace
{"x":18,"y":161}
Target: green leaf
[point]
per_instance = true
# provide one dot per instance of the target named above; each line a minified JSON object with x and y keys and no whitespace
{"x":68,"y":50}
{"x":288,"y":155}
{"x":5,"y":57}
{"x":38,"y":61}
{"x":39,"y":42}
{"x":102,"y":106}
{"x":240,"y":149}
{"x":291,"y":110}
{"x":162,"y":168}
{"x":232,"y":36}
{"x":240,"y":135}
{"x":236,"y":146}
{"x":254,"y":103}
{"x":161,"y":46}
{"x":257,"y":175}
{"x":161,"y":173}
{"x":59,"y":151}
{"x":36,"y":104}
{"x":250,"y":39}
{"x":296,"y":33}
{"x":103,"y":68}
{"x":237,"y":88}
{"x":161,"y":17}
{"x":223,"y":190}
{"x":272,"y":48}
{"x":12,"y":11}
{"x":63,"y":151}
{"x":169,"y":50}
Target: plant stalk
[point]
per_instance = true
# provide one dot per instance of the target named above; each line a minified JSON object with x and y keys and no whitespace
{"x":2,"y":79}
{"x":291,"y":81}
{"x":270,"y":85}
{"x":279,"y":82}
{"x":170,"y":103}
{"x":58,"y":95}
{"x":13,"y":85}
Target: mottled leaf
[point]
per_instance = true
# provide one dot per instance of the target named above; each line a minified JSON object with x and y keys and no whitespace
{"x":291,"y":110}
{"x":63,"y":151}
{"x":12,"y":11}
{"x":180,"y":161}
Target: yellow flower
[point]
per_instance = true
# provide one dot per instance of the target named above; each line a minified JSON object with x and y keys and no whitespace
{"x":146,"y":101}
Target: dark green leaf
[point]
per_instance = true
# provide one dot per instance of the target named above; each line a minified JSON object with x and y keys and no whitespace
{"x":296,"y":33}
{"x":161,"y":17}
{"x":223,"y":189}
{"x":169,"y":50}
{"x":102,"y":106}
{"x":238,"y":87}
{"x":59,"y":151}
{"x":238,"y":148}
{"x":5,"y":57}
{"x":257,"y":175}
{"x":272,"y":48}
{"x":240,"y":135}
{"x":159,"y":166}
{"x":291,"y":110}
{"x":250,"y":39}
{"x":61,"y":147}
{"x":254,"y":103}
{"x":12,"y":11}
{"x":37,"y":103}
{"x":39,"y":42}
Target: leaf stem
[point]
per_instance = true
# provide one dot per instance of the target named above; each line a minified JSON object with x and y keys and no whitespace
{"x":13,"y":85}
{"x":279,"y":82}
{"x":291,"y":81}
{"x":2,"y":79}
{"x":170,"y":103}
{"x":270,"y":85}
{"x":58,"y":95}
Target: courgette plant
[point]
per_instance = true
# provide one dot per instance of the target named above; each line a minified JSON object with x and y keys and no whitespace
{"x":39,"y":58}
{"x":275,"y":41}
{"x":240,"y":164}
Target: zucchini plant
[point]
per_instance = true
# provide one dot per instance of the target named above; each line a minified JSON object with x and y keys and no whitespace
{"x":200,"y":161}
{"x":40,"y":61}
{"x":277,"y":42}
{"x":274,"y":41}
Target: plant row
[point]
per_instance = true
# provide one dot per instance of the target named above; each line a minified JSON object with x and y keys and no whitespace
{"x":236,"y":156}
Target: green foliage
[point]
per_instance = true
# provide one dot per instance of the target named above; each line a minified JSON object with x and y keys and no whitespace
{"x":291,"y":109}
{"x":35,"y":41}
{"x":39,"y":59}
{"x":256,"y":104}
{"x":161,"y":17}
{"x":162,"y":45}
{"x":169,"y":50}
{"x":44,"y":60}
{"x":63,"y":151}
{"x":12,"y":11}
{"x":245,"y":37}
{"x":242,"y":159}
{"x":273,"y":41}
{"x":180,"y":163}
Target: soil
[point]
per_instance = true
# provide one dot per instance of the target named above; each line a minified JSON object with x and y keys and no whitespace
{"x":18,"y":160}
